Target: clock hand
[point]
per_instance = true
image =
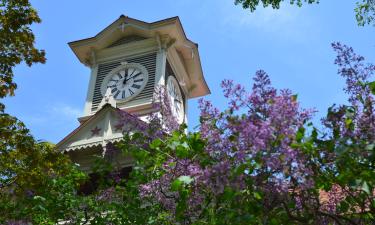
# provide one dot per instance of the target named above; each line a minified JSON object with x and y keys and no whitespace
{"x":136,"y":75}
{"x":126,"y":75}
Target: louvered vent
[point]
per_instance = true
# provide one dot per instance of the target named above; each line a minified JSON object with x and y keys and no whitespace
{"x":148,"y":61}
{"x":126,"y":40}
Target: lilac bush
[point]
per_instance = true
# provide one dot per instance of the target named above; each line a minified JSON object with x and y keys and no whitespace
{"x":261,"y":160}
{"x":234,"y":149}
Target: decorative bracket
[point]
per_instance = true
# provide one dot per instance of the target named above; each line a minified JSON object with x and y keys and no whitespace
{"x":93,"y":56}
{"x":157,"y":36}
{"x":164,"y":42}
{"x":191,"y":49}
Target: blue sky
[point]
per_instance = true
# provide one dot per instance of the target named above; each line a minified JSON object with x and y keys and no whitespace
{"x":292,"y":44}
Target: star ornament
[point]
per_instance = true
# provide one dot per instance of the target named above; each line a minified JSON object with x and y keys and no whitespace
{"x":95,"y":131}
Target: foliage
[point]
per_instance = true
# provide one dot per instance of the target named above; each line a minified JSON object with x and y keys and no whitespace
{"x":32,"y":173}
{"x":252,"y":4}
{"x":16,"y":41}
{"x":260,"y":161}
{"x":365,"y":10}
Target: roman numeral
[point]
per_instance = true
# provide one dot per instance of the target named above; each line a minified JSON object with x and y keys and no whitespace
{"x":138,"y":80}
{"x":131,"y":92}
{"x":115,"y":96}
{"x":136,"y":86}
{"x":123,"y":94}
{"x":114,"y":90}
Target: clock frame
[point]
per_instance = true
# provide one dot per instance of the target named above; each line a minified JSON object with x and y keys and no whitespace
{"x":176,"y":99}
{"x":118,"y":77}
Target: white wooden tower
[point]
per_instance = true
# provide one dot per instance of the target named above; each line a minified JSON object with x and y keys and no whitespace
{"x":128,"y":60}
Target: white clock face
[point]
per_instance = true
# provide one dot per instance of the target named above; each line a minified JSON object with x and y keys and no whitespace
{"x":126,"y":81}
{"x":175,"y":97}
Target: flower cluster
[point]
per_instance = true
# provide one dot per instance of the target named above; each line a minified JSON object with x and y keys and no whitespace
{"x":358,"y":119}
{"x":264,"y":132}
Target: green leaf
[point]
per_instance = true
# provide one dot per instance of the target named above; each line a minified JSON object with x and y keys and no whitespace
{"x":185,"y":179}
{"x":348,"y":122}
{"x":40,"y":207}
{"x":370,"y":147}
{"x":172,"y":164}
{"x":372,"y":87}
{"x":295,"y":97}
{"x":181,"y":182}
{"x":232,"y":137}
{"x":228,"y":193}
{"x":240,"y":169}
{"x":176,"y":185}
{"x":173,"y":145}
{"x":37,"y":197}
{"x":155,"y":143}
{"x":182,"y":152}
{"x":257,"y":195}
{"x":344,"y":206}
{"x":300,"y":134}
{"x":365,"y":187}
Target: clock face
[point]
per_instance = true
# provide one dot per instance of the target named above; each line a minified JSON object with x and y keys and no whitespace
{"x":176,"y":100}
{"x":126,"y":81}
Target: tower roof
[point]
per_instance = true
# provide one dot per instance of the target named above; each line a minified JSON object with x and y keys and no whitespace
{"x":170,"y":28}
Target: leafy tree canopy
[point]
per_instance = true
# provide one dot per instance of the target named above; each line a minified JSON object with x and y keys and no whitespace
{"x":27,"y":167}
{"x":16,"y":41}
{"x":365,"y":10}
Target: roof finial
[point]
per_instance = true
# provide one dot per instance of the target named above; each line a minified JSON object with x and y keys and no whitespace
{"x":108,"y":99}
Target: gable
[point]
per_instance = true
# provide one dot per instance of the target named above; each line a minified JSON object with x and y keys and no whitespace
{"x":100,"y":129}
{"x":126,"y":40}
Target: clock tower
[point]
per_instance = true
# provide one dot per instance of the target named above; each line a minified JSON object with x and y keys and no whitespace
{"x":128,"y":60}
